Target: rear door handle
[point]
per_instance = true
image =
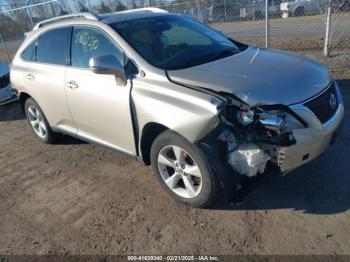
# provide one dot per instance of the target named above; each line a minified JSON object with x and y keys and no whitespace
{"x":30,"y":76}
{"x":72,"y":85}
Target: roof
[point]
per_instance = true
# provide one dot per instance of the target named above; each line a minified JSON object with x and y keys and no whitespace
{"x":121,"y":17}
{"x":107,"y":18}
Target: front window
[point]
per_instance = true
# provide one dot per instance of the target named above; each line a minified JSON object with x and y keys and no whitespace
{"x":90,"y":42}
{"x":173,"y":42}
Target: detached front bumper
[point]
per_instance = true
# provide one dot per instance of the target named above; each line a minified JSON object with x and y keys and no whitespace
{"x":313,"y":140}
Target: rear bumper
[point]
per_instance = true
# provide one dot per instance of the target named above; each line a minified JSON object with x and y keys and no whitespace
{"x":311,"y":141}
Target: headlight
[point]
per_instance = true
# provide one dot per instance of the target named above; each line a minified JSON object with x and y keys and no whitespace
{"x":268,"y":125}
{"x":276,"y":118}
{"x":279,"y":120}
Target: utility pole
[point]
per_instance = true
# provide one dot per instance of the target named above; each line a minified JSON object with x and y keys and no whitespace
{"x":90,"y":7}
{"x":225,"y":10}
{"x":199,"y":12}
{"x":267,"y":24}
{"x":53,"y":9}
{"x":254,"y":10}
{"x":327,"y":41}
{"x":78,"y":7}
{"x":29,"y":14}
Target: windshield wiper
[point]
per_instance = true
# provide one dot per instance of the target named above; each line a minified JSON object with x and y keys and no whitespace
{"x":203,"y":59}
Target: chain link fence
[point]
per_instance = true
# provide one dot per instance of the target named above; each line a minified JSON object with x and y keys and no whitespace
{"x":316,"y":28}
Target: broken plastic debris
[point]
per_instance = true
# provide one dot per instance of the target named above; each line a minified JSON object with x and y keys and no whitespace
{"x":248,"y":159}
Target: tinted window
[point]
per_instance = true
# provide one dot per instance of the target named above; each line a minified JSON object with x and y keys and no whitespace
{"x":184,"y":35}
{"x":53,"y":48}
{"x":28,"y":53}
{"x":89,"y":42}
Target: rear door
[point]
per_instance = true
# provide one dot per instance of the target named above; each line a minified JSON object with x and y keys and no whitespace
{"x":45,"y":77}
{"x":100,"y":108}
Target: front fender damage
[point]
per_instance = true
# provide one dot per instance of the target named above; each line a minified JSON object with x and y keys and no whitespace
{"x":236,"y":165}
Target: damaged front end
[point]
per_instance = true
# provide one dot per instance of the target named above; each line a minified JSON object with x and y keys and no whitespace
{"x":249,"y":139}
{"x":261,"y":133}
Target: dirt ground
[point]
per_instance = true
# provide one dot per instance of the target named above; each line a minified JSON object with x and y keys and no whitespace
{"x":76,"y":198}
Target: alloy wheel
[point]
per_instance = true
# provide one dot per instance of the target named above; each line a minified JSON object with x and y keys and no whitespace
{"x":179,"y":171}
{"x":37,"y":122}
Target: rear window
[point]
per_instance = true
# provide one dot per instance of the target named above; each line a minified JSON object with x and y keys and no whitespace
{"x":53,"y":47}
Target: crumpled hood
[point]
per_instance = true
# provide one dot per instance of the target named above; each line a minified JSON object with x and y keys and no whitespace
{"x":259,"y":76}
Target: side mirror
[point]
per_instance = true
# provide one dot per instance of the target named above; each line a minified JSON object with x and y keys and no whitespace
{"x":108,"y":65}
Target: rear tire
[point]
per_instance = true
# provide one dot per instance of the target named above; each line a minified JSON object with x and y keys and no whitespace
{"x":39,"y":123}
{"x":183,"y":170}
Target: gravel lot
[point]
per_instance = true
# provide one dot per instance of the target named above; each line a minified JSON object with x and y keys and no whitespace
{"x":76,"y":198}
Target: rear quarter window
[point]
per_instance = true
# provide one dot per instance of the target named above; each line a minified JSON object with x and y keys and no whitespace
{"x":29,"y":53}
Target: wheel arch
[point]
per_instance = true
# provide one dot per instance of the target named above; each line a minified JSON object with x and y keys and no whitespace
{"x":149,"y":133}
{"x":301,"y":7}
{"x":23,"y":98}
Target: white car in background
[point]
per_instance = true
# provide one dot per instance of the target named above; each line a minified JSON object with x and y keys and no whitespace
{"x":256,"y":9}
{"x":303,"y":7}
{"x":7,"y":95}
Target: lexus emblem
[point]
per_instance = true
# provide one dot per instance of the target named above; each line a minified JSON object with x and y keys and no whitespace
{"x":332,"y":101}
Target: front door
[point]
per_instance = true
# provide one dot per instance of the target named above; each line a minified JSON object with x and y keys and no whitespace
{"x":100,"y":108}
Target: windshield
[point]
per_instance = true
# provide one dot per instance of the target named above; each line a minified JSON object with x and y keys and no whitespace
{"x":173,"y":42}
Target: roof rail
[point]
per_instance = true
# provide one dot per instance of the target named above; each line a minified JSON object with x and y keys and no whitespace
{"x":146,"y":9}
{"x":63,"y":17}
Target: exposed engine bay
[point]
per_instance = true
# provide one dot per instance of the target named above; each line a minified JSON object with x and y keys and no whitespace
{"x":251,"y":138}
{"x":269,"y":126}
{"x":260,"y":134}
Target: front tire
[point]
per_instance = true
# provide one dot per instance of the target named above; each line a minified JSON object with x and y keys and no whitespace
{"x":183,"y":170}
{"x":39,"y":123}
{"x":299,"y":11}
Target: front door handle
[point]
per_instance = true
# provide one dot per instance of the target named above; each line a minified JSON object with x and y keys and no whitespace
{"x":72,"y":85}
{"x":30,"y":76}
